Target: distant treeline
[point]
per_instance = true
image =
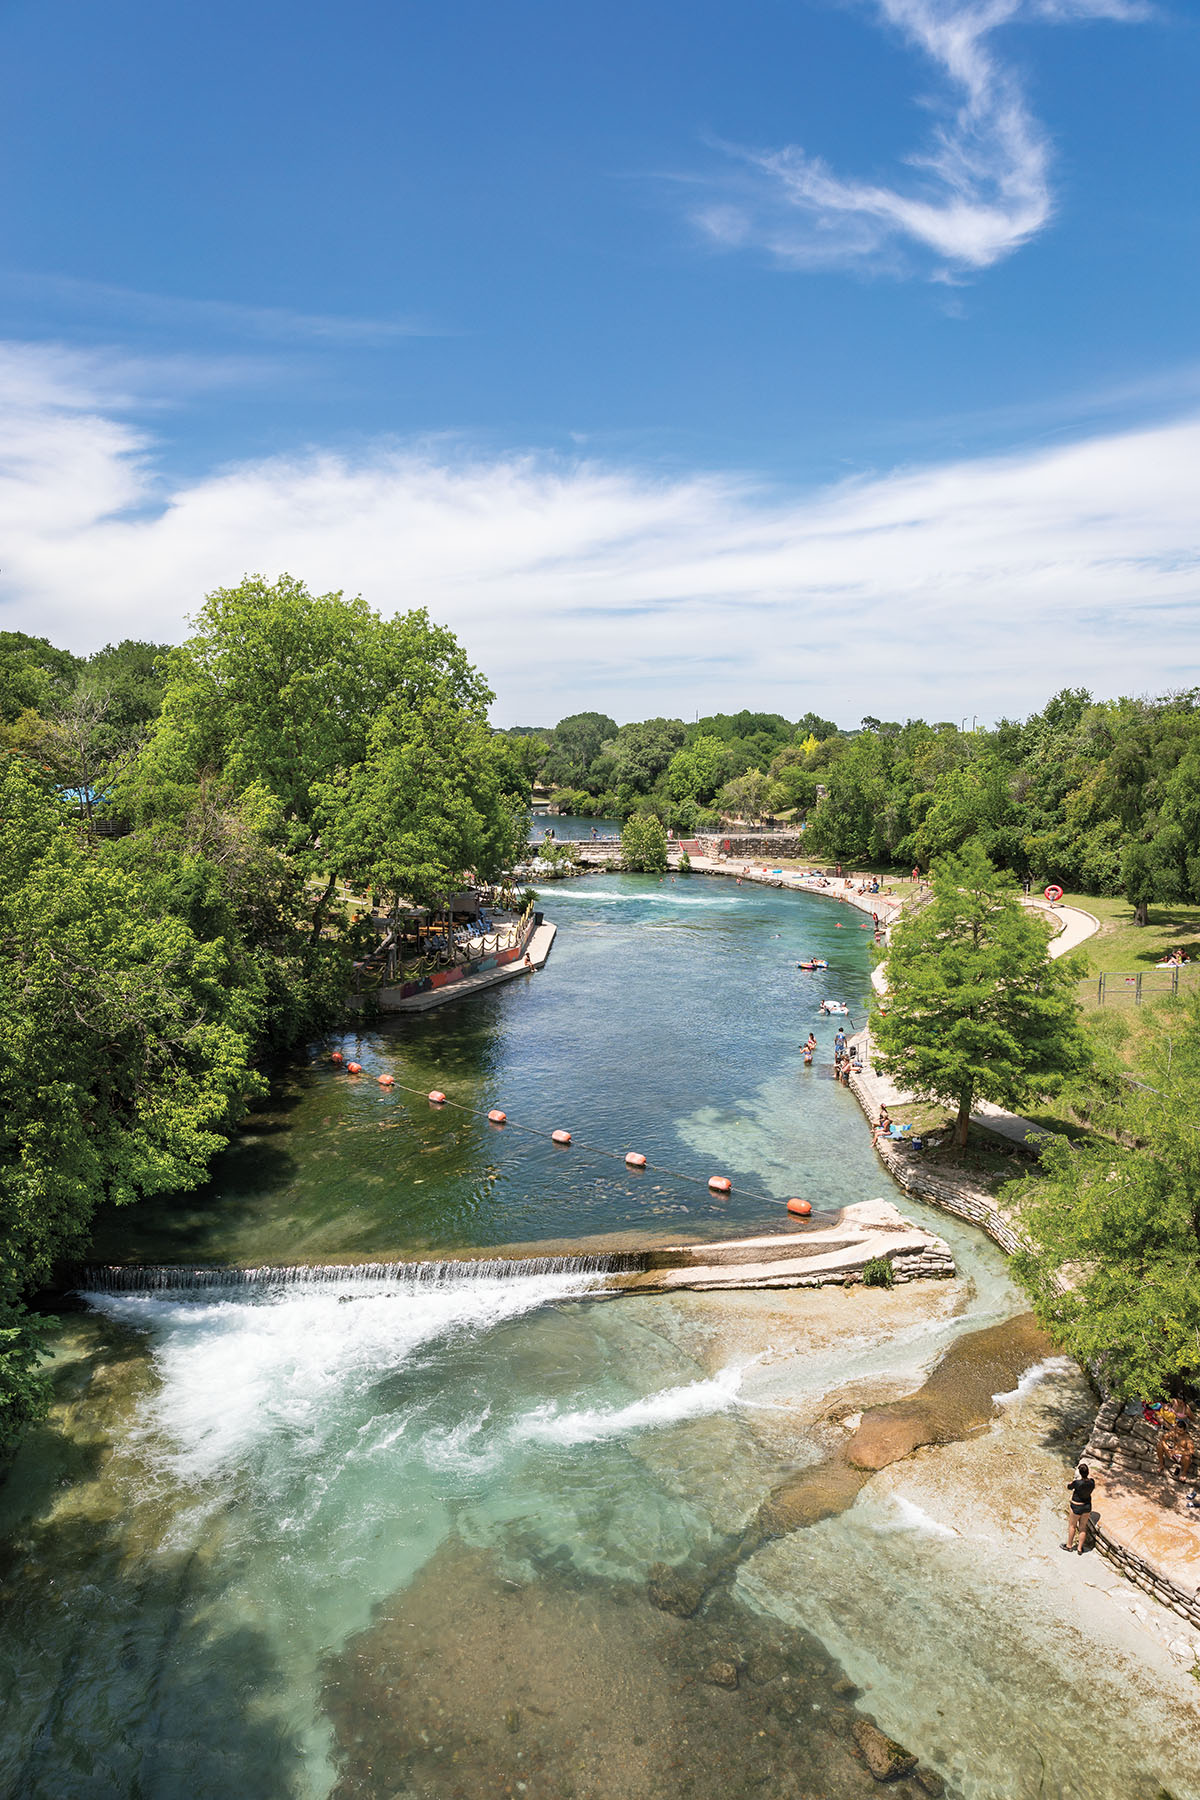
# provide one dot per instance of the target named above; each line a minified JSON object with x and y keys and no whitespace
{"x":1102,"y":797}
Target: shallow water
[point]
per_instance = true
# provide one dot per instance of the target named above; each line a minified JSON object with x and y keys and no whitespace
{"x":393,"y":1538}
{"x":669,"y":1021}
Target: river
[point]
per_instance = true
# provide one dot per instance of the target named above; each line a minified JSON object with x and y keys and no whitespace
{"x":393,"y":1538}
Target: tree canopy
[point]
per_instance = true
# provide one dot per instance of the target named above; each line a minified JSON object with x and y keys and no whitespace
{"x":1113,"y":1222}
{"x":976,"y":1009}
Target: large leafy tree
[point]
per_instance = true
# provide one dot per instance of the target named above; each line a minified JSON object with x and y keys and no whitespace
{"x":1113,"y":1224}
{"x":304,"y":698}
{"x":575,"y":744}
{"x":124,"y":1052}
{"x":976,"y":1008}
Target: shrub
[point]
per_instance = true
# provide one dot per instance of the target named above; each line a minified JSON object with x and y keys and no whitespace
{"x":878,"y":1273}
{"x":644,"y":844}
{"x":685,"y":863}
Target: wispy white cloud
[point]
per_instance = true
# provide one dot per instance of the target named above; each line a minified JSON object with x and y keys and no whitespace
{"x":974,"y":586}
{"x":104,"y":303}
{"x":977,"y":192}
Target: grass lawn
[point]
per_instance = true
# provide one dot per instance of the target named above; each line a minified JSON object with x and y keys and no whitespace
{"x":1121,"y":945}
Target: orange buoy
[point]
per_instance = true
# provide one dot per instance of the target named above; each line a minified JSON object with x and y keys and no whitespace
{"x":386,"y":1080}
{"x":720,"y":1184}
{"x":354,"y":1068}
{"x":437,"y":1098}
{"x":497,"y":1117}
{"x":561,"y":1137}
{"x":635,"y":1160}
{"x":801,"y":1208}
{"x":336,"y":1057}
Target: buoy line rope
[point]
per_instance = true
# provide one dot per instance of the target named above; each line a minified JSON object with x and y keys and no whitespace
{"x":536,"y":1131}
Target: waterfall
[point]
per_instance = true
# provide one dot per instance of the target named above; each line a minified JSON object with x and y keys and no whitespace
{"x":176,"y":1278}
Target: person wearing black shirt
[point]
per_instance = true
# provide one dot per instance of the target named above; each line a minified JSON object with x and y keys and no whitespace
{"x":1080,"y":1509}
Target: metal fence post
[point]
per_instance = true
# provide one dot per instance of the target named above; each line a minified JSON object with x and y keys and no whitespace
{"x":1137,"y":992}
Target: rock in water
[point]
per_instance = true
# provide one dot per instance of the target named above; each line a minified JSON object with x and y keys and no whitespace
{"x":931,"y":1782}
{"x":672,"y":1592}
{"x":886,"y":1759}
{"x":721,"y":1674}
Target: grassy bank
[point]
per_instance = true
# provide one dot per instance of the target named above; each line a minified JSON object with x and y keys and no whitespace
{"x":1120,"y":945}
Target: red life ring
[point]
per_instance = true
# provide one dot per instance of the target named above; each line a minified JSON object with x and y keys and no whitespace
{"x":1053,"y":895}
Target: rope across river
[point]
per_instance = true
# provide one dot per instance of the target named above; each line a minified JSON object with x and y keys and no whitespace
{"x":540,"y":1132}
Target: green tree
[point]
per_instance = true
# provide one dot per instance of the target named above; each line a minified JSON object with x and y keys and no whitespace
{"x":696,"y":771}
{"x":575,"y":744}
{"x":641,"y":753}
{"x":644,"y":844}
{"x":124,"y":1053}
{"x":976,"y":1008}
{"x":749,"y":796}
{"x":1113,"y":1224}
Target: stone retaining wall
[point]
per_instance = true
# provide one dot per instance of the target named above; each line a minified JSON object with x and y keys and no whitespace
{"x":962,"y":1198}
{"x":1118,"y":1441}
{"x":762,"y":844}
{"x":1124,"y":1443}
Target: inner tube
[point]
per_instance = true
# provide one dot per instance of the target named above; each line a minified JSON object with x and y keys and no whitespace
{"x":1053,"y":894}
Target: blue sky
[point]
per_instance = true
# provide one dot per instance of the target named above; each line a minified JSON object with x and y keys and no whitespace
{"x":688,"y":355}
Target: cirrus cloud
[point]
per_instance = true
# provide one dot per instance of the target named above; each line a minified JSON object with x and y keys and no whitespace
{"x":977,"y":193}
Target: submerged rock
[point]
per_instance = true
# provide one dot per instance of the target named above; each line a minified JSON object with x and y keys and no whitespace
{"x":886,"y":1759}
{"x":673,"y":1592}
{"x":721,"y":1674}
{"x":930,"y":1782}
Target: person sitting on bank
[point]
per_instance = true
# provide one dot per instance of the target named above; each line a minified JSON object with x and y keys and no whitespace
{"x":1079,"y":1511}
{"x":885,"y":1122}
{"x":1175,"y":1446}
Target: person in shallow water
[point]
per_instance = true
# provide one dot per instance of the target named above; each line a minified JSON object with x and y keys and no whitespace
{"x":1080,"y":1509}
{"x":810,"y":1048}
{"x":839,"y":1045}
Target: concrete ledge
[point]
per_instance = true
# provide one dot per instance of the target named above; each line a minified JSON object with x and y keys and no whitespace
{"x":824,"y":1255}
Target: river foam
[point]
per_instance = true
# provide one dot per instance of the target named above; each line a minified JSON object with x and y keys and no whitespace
{"x":234,"y":1372}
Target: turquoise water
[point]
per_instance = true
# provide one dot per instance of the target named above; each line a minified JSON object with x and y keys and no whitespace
{"x":669,"y":1020}
{"x":393,"y":1539}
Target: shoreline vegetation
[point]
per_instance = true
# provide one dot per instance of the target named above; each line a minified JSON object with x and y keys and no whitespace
{"x":179,"y":823}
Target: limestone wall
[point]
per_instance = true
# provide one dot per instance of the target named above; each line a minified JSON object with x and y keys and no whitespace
{"x":761,"y":845}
